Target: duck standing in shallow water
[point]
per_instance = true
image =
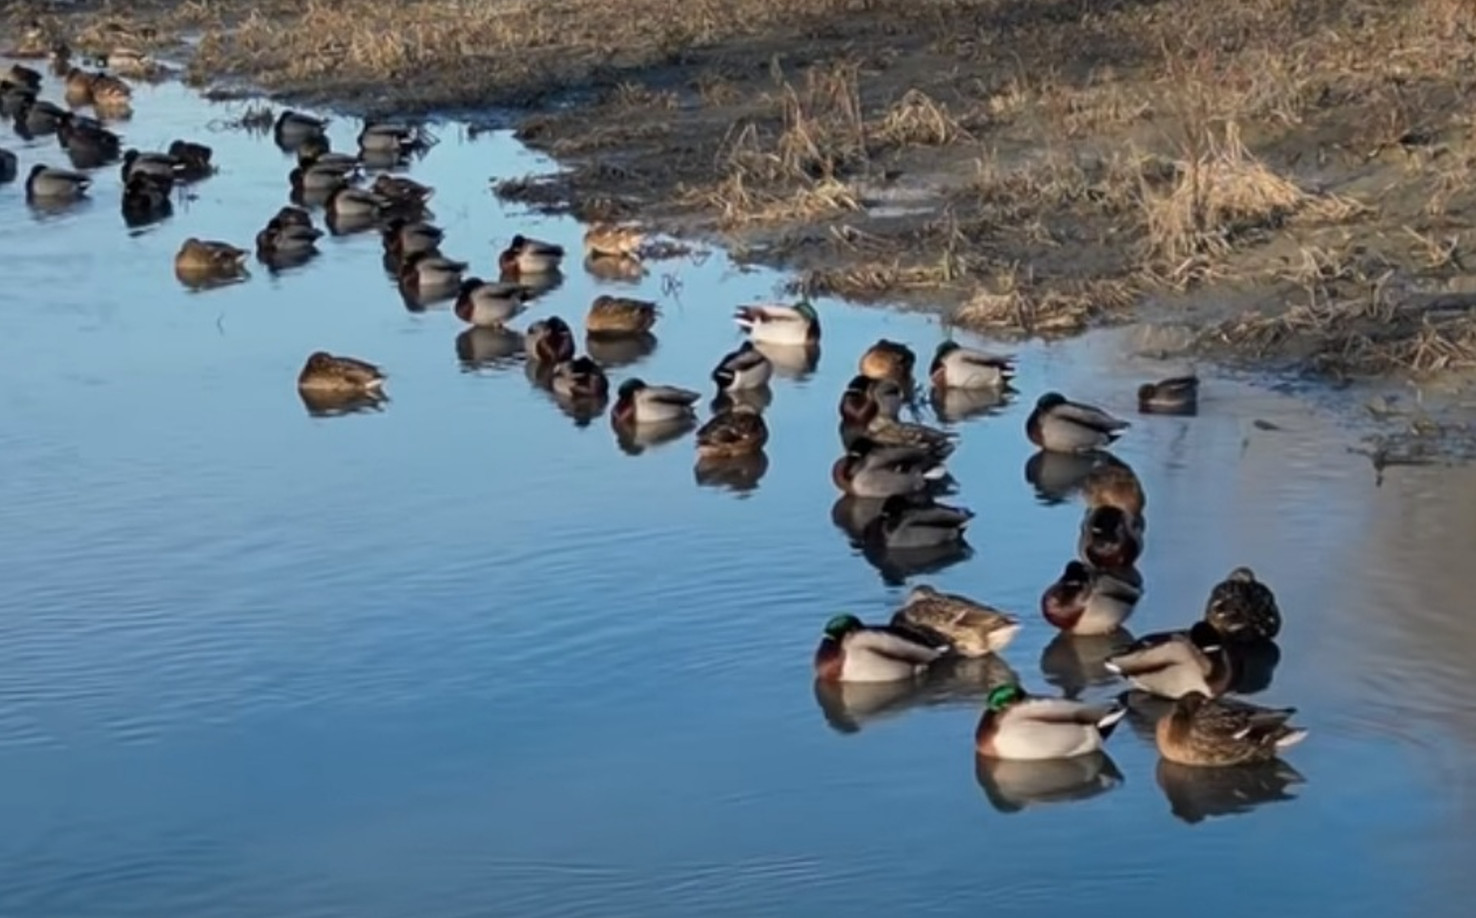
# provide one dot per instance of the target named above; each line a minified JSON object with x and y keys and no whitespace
{"x":743,"y":369}
{"x":619,"y":315}
{"x":738,"y":431}
{"x":972,"y":628}
{"x":957,"y":367}
{"x":1171,"y":664}
{"x":852,"y":652}
{"x":782,"y":325}
{"x":1020,"y":727}
{"x":1243,"y":609}
{"x":1063,"y":426}
{"x":1178,"y":395}
{"x":1087,"y":601}
{"x":1220,"y":732}
{"x":636,"y":402}
{"x":889,"y":360}
{"x":326,"y":373}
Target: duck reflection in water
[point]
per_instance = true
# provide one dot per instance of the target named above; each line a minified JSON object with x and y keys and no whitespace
{"x":615,"y":269}
{"x":1056,"y":477}
{"x":634,"y":439}
{"x":330,"y":404}
{"x":614,"y":351}
{"x":479,"y":348}
{"x":1073,"y":663}
{"x":791,"y":361}
{"x":753,"y":399}
{"x":1011,"y":786}
{"x":954,"y":406}
{"x":537,"y":284}
{"x":1195,"y":793}
{"x":848,"y":707}
{"x":739,"y":474}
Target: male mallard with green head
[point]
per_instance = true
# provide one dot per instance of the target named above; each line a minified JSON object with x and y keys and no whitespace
{"x":852,"y":652}
{"x":957,"y":367}
{"x":1063,"y":426}
{"x":768,"y":323}
{"x":1016,"y":725}
{"x":525,"y":255}
{"x":1171,"y":664}
{"x":489,"y":305}
{"x":581,"y":378}
{"x":1219,"y":732}
{"x":871,"y":470}
{"x":1179,"y":395}
{"x":549,"y":341}
{"x":637,"y":402}
{"x":1088,"y":601}
{"x":743,"y":369}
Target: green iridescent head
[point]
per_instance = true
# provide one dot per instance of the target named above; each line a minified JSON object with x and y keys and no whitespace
{"x":1005,"y":695}
{"x":841,"y":625}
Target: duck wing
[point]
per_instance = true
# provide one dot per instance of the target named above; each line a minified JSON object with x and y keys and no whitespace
{"x":671,"y":395}
{"x":898,"y":644}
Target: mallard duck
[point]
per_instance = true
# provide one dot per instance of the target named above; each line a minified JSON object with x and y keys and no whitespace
{"x":1243,"y":609}
{"x":744,"y":369}
{"x":890,"y":432}
{"x":549,"y":341}
{"x":1016,"y":725}
{"x":76,"y":85}
{"x":636,"y":402}
{"x":889,"y":360}
{"x":316,"y":150}
{"x":286,"y":240}
{"x":292,"y":128}
{"x":870,"y":470}
{"x":198,"y":256}
{"x":1178,"y":395}
{"x":957,"y":367}
{"x":21,"y":75}
{"x":768,"y":323}
{"x":352,"y":202}
{"x":581,"y":378}
{"x":131,"y":62}
{"x":530,"y":256}
{"x":1110,"y":538}
{"x":1216,"y":732}
{"x":404,"y":192}
{"x":1174,"y":663}
{"x":431,"y":269}
{"x":908,"y":522}
{"x":852,"y":652}
{"x":317,"y":178}
{"x":1088,"y":601}
{"x":404,"y":237}
{"x":324,"y":372}
{"x":489,"y":305}
{"x":196,"y":158}
{"x":1110,"y":483}
{"x":13,"y":99}
{"x":9,"y":166}
{"x":55,"y":184}
{"x":736,"y":432}
{"x":618,"y":315}
{"x":865,"y":400}
{"x":1070,"y":427}
{"x":161,"y":165}
{"x":291,"y":215}
{"x":609,"y":240}
{"x":37,"y":116}
{"x":109,"y":92}
{"x":146,"y":199}
{"x":388,"y":138}
{"x":88,"y":140}
{"x":972,"y":628}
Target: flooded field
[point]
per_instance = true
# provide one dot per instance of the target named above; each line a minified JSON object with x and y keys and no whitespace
{"x":464,"y":654}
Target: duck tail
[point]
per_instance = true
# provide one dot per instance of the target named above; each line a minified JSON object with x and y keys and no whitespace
{"x":1109,"y":722}
{"x":1291,"y":737}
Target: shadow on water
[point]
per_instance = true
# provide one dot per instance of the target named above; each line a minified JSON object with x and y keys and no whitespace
{"x":1011,"y":787}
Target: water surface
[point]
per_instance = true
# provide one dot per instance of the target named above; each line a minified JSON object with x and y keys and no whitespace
{"x":463,"y":656}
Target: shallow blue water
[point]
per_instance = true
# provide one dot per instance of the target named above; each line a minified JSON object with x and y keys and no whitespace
{"x":465,"y":657}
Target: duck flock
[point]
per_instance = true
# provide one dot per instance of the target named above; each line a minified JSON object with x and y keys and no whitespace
{"x":891,"y":471}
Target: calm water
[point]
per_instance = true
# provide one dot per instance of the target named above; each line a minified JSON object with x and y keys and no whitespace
{"x":465,"y":657}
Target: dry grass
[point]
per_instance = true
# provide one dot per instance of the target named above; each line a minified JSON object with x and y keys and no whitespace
{"x":1016,"y":302}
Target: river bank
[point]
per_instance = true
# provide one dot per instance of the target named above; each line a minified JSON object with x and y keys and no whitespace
{"x":1285,"y":186}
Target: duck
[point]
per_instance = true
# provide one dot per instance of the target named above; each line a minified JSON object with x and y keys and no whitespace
{"x":161,"y":165}
{"x":1062,"y":426}
{"x":618,"y":315}
{"x":324,"y":372}
{"x":1217,"y":732}
{"x":146,"y":199}
{"x":1171,"y":664}
{"x":1176,"y":395}
{"x":610,"y":240}
{"x":742,"y":370}
{"x":549,"y":341}
{"x":315,"y":150}
{"x":768,"y":323}
{"x":739,"y":431}
{"x":431,"y":270}
{"x":530,"y":256}
{"x":1016,"y":725}
{"x":286,"y":240}
{"x":1088,"y":601}
{"x":352,"y":202}
{"x":889,"y":360}
{"x":865,"y":399}
{"x":957,"y":367}
{"x":14,"y":99}
{"x":131,"y":62}
{"x":197,"y":256}
{"x":406,"y":237}
{"x":21,"y":75}
{"x":87,"y":140}
{"x":388,"y":138}
{"x":891,"y":432}
{"x":195,"y":158}
{"x":1243,"y":609}
{"x":908,"y":522}
{"x":489,"y":305}
{"x":401,"y":191}
{"x":850,"y":651}
{"x":292,"y":128}
{"x":9,"y":166}
{"x":44,"y":182}
{"x":1110,"y":538}
{"x":37,"y":116}
{"x":101,"y":89}
{"x":871,"y":470}
{"x":637,"y":402}
{"x":1112,"y":484}
{"x":317,"y":178}
{"x":580,"y":378}
{"x":292,"y":215}
{"x":970,"y":627}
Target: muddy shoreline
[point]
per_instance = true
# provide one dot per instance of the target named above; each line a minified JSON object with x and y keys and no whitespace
{"x":1288,"y":189}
